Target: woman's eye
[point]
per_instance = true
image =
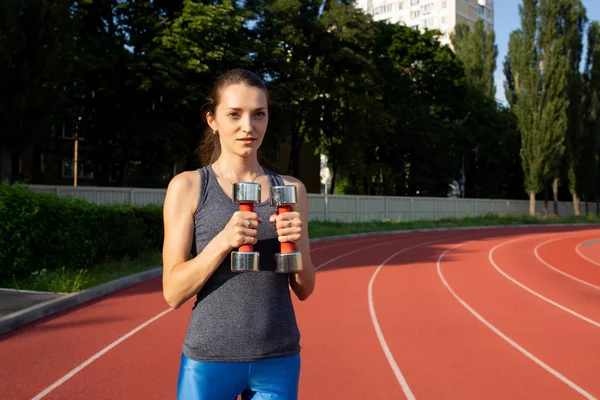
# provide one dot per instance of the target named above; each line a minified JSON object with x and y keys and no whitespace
{"x":233,"y":114}
{"x":260,"y":114}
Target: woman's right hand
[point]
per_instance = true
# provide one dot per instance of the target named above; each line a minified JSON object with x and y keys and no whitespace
{"x":241,"y":229}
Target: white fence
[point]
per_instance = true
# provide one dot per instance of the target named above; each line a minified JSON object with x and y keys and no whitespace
{"x":370,"y":208}
{"x":106,"y":195}
{"x":343,"y":208}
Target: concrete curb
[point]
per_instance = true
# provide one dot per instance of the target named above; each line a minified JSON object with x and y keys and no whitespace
{"x":17,"y":319}
{"x":44,"y":309}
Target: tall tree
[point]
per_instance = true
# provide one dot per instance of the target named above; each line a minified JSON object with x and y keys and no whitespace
{"x":341,"y":107}
{"x":574,"y":17}
{"x":591,"y":115}
{"x":430,"y":155}
{"x":478,"y":52}
{"x":553,"y":100}
{"x":488,"y":138}
{"x":288,"y":50}
{"x":522,"y":90}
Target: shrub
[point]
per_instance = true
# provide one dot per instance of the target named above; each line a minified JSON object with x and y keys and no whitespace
{"x":45,"y":232}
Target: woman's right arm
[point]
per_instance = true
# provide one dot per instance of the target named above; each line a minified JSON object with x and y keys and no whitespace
{"x":183,"y":277}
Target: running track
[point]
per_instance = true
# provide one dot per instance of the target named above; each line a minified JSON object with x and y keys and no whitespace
{"x":505,"y":313}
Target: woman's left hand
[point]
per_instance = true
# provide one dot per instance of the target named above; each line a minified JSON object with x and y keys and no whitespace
{"x":288,"y":225}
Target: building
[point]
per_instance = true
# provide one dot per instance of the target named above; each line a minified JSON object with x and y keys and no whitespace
{"x":442,"y":15}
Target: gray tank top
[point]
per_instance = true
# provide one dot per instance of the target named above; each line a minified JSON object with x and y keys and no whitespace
{"x":239,"y":316}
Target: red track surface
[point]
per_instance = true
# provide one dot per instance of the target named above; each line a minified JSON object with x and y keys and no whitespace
{"x":470,"y":314}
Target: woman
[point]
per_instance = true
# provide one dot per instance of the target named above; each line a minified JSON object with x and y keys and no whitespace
{"x":242,"y":337}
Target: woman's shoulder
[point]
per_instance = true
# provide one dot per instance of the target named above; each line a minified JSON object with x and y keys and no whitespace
{"x":184,"y":180}
{"x":185,"y":186}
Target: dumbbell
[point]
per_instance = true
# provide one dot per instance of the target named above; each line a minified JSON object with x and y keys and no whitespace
{"x":245,"y":258}
{"x":288,"y":260}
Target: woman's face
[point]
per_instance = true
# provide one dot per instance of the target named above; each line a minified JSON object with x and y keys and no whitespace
{"x":240,"y":118}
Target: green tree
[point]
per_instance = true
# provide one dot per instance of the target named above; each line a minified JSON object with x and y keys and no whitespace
{"x":288,"y":48}
{"x":36,"y":44}
{"x":553,"y":100}
{"x":478,"y":52}
{"x":574,"y":17}
{"x":340,"y":111}
{"x":536,"y":87}
{"x":591,"y":115}
{"x":178,"y":50}
{"x":487,"y":136}
{"x":430,"y":154}
{"x":523,"y":85}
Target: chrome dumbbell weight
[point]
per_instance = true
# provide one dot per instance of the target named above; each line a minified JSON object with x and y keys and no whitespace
{"x":245,"y":258}
{"x":288,"y":260}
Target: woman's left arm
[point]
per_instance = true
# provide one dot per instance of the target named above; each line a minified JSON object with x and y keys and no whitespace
{"x":303,"y":282}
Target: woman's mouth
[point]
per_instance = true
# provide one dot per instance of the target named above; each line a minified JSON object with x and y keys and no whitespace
{"x":246,"y":140}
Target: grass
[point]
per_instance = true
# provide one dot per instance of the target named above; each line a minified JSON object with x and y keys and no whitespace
{"x":318,"y":229}
{"x":63,"y":280}
{"x":68,"y":281}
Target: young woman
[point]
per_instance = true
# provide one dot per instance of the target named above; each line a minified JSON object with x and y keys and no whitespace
{"x":242,"y":337}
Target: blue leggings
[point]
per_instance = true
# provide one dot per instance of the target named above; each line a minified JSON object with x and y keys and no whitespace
{"x":271,"y":379}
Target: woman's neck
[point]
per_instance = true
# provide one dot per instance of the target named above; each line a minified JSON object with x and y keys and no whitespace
{"x":238,"y":169}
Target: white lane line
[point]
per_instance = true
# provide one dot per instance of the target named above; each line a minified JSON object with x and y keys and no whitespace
{"x":583,"y":256}
{"x":386,"y":350}
{"x":99,"y":354}
{"x":533,"y":292}
{"x":356,"y":251}
{"x":506,"y":338}
{"x":536,"y":252}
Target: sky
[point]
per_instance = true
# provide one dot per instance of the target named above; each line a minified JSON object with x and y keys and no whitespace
{"x":507,"y":19}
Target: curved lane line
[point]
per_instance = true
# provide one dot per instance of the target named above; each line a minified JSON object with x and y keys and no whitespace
{"x":506,"y":338}
{"x":585,"y":257}
{"x":535,"y":251}
{"x":533,"y":292}
{"x":386,"y":350}
{"x":100,"y":353}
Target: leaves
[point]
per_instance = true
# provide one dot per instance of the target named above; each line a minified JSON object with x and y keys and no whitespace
{"x":388,"y":105}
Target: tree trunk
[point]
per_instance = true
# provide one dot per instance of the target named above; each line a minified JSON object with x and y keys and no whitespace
{"x":545,"y":201}
{"x":333,"y":176}
{"x":555,"y":192}
{"x":532,"y":203}
{"x":576,"y":203}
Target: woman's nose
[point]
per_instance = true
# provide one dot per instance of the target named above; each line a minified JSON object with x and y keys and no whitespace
{"x":247,"y":124}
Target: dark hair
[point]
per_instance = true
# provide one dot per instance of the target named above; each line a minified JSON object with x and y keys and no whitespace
{"x":210,"y":147}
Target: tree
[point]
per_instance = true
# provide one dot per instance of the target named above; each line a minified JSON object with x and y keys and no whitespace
{"x":487,"y":136}
{"x":553,"y":95}
{"x":522,"y":65}
{"x":574,"y":17}
{"x":434,"y":109}
{"x":591,"y":115}
{"x":36,"y":44}
{"x":340,"y":110}
{"x":288,"y":48}
{"x":478,"y":52}
{"x":536,"y":87}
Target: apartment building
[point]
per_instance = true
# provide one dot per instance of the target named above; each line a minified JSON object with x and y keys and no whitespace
{"x":442,"y":15}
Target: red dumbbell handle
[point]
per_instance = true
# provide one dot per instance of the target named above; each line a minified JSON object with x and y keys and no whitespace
{"x":246,"y":248}
{"x":286,"y":247}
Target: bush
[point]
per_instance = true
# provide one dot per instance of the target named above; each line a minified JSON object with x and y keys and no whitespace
{"x":45,"y":232}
